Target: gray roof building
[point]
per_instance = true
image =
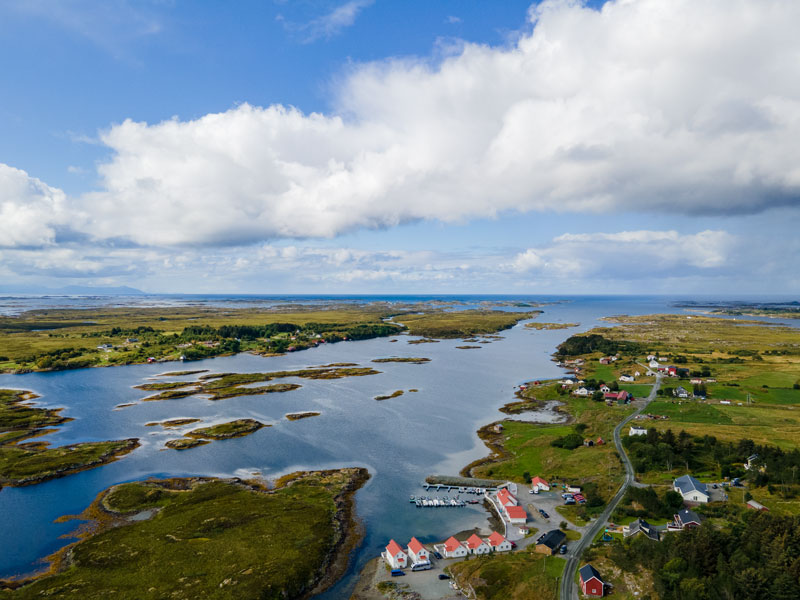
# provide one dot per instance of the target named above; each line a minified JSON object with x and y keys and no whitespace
{"x":691,"y":489}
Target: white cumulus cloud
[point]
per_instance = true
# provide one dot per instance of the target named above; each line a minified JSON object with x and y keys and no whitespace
{"x":631,"y":254}
{"x":30,"y":210}
{"x":650,"y":105}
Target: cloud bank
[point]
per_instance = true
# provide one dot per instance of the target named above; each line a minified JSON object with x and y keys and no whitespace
{"x":645,"y":105}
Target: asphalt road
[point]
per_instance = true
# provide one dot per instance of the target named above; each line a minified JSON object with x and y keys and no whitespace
{"x":569,"y":591}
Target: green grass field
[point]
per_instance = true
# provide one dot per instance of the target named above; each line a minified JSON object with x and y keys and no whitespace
{"x":511,"y":576}
{"x":528,"y":449}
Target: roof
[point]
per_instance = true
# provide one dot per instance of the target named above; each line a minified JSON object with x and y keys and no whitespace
{"x":756,"y":505}
{"x":516,"y":512}
{"x":415,"y":546}
{"x":687,"y":484}
{"x":474,"y":541}
{"x":553,"y":538}
{"x":642,"y":526}
{"x":688,"y":516}
{"x":537,"y":480}
{"x":495,"y":539}
{"x":451,"y":544}
{"x":393,"y":548}
{"x":504,"y":496}
{"x":588,"y":571}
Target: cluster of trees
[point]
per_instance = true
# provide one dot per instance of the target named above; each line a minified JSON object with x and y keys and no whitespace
{"x":664,"y":451}
{"x":585,"y":344}
{"x":571,"y":440}
{"x":653,"y":505}
{"x":658,"y":451}
{"x":757,"y":558}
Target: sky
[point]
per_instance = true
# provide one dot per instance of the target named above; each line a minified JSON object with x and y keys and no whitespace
{"x":377,"y":146}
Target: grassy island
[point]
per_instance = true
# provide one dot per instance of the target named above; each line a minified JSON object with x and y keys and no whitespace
{"x":394,"y":394}
{"x":302,"y":415}
{"x":208,"y":538}
{"x":231,"y":429}
{"x":219,"y":386}
{"x":33,"y":462}
{"x":222,"y":431}
{"x":186,"y":443}
{"x":549,"y":326}
{"x":172,"y":423}
{"x":461,"y":324}
{"x":416,"y":361}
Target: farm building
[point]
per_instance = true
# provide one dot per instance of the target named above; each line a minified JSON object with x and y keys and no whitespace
{"x":591,"y":582}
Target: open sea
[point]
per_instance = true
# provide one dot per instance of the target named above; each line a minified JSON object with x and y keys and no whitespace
{"x":400,"y":441}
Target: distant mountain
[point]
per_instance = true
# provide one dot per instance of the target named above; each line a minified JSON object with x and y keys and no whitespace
{"x":71,"y":290}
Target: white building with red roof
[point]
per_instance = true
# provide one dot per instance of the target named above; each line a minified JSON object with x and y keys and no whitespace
{"x":476,"y":545}
{"x":516,"y":515}
{"x":454,"y":549}
{"x":417,"y":552}
{"x":498,"y":543}
{"x":506,"y":498}
{"x":540,"y":484}
{"x":395,"y":556}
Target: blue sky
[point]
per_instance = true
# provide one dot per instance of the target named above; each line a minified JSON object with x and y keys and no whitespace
{"x":374,"y":146}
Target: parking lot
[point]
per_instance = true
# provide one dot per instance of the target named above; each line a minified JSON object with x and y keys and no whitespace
{"x":426,"y":583}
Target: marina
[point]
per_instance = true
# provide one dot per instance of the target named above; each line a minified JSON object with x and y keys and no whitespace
{"x":447,"y":501}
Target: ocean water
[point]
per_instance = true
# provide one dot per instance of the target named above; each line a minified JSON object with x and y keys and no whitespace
{"x":400,"y":441}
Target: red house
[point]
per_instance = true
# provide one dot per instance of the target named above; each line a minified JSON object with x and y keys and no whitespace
{"x":591,"y":582}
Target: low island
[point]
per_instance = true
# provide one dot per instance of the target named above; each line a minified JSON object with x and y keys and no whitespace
{"x":27,"y":463}
{"x":208,"y":538}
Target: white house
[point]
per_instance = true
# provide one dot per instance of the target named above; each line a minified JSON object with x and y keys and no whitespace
{"x":582,"y":391}
{"x":627,"y":378}
{"x":516,"y":515}
{"x":417,"y":552}
{"x":653,"y":364}
{"x":498,"y":543}
{"x":605,"y":389}
{"x":395,"y":556}
{"x":476,"y":545}
{"x":540,"y":484}
{"x":691,"y":489}
{"x":506,"y":498}
{"x":454,"y":549}
{"x":634,"y":430}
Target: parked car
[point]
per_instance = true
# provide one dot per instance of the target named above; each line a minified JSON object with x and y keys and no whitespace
{"x":563,"y":549}
{"x":444,"y":576}
{"x":513,"y":543}
{"x":397,"y":573}
{"x":437,"y":555}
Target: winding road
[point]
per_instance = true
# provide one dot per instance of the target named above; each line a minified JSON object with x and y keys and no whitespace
{"x":569,"y":591}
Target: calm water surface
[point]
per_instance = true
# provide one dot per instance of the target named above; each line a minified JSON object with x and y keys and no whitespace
{"x":400,"y":441}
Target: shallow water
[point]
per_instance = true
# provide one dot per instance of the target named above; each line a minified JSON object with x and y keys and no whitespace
{"x":400,"y":441}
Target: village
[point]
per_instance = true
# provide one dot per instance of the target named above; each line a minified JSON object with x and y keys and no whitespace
{"x":526,"y":526}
